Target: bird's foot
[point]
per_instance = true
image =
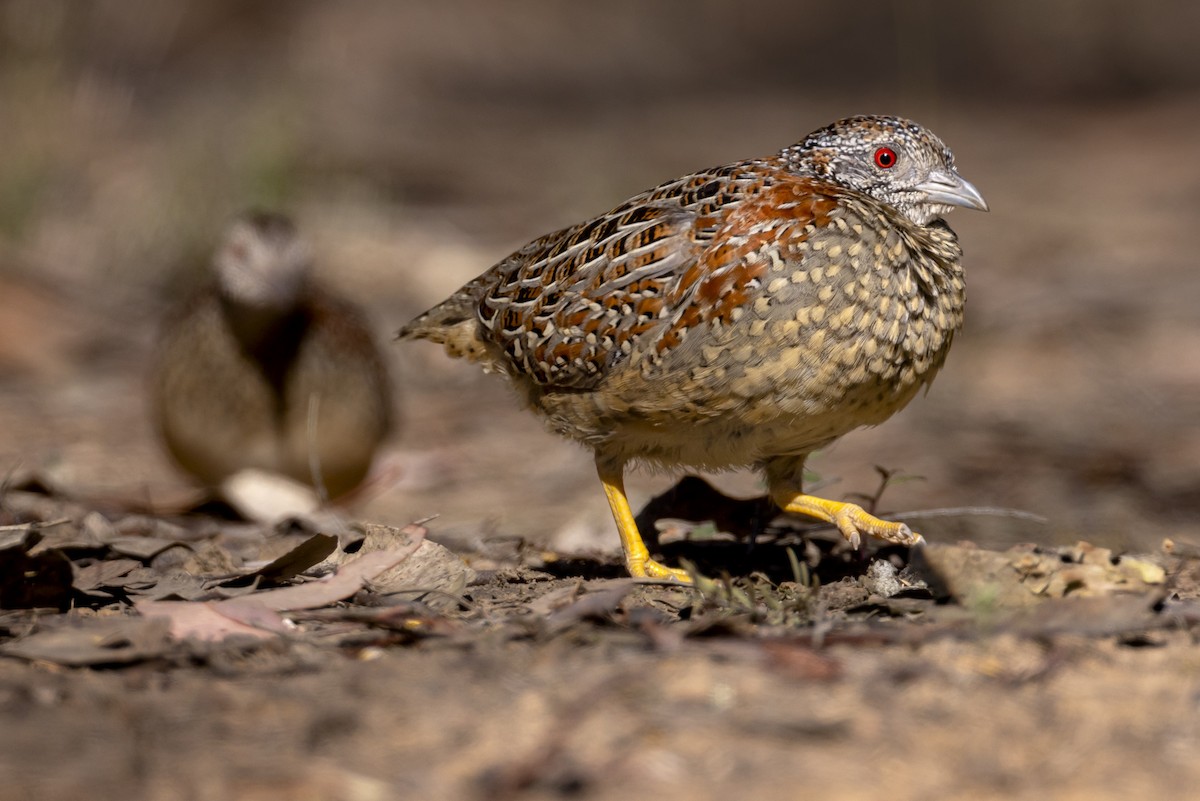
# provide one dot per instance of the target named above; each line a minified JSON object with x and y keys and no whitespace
{"x":637,"y":556}
{"x":854,"y":521}
{"x":851,"y":519}
{"x":649,"y":568}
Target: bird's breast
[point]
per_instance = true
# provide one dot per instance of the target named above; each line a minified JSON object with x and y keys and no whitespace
{"x":846,"y":321}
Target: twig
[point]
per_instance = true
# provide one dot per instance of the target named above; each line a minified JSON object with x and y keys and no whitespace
{"x":35,"y":525}
{"x":964,"y":511}
{"x":314,"y":455}
{"x":654,"y":582}
{"x":887,"y":476}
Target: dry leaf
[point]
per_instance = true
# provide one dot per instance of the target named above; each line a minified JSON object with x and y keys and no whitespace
{"x":256,"y":613}
{"x":94,"y":642}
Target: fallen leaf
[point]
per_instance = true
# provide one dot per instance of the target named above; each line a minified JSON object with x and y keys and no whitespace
{"x":144,"y":548}
{"x":256,"y":614}
{"x":200,"y":620}
{"x":29,"y":580}
{"x":311,"y":551}
{"x":348,"y":579}
{"x":248,"y":611}
{"x":177,"y":585}
{"x":22,"y":537}
{"x":432,"y":567}
{"x":97,"y":641}
{"x":105,"y":573}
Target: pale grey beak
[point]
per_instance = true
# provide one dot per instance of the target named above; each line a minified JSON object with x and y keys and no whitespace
{"x":952,"y":190}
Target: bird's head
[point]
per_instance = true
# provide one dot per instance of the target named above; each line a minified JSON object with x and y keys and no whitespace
{"x":893,"y":160}
{"x":262,"y":262}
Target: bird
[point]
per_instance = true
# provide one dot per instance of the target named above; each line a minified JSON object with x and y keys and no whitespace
{"x":265,"y":369}
{"x":740,"y":316}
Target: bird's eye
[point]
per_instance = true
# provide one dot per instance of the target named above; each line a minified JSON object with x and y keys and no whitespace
{"x":885,"y":158}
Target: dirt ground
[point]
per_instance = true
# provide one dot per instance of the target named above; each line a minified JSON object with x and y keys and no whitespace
{"x":417,"y":144}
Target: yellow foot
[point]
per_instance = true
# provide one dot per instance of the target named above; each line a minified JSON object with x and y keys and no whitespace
{"x":852,"y":520}
{"x":649,"y":568}
{"x":637,"y":557}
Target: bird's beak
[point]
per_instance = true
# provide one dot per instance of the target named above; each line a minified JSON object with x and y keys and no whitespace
{"x":952,"y":190}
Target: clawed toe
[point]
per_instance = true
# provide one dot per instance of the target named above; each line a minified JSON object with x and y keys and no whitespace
{"x":656,"y":570}
{"x":853,"y":520}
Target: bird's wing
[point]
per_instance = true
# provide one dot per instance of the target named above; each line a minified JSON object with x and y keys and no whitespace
{"x":569,"y":307}
{"x":763,"y":235}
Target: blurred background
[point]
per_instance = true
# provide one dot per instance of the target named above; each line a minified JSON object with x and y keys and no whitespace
{"x":417,"y":143}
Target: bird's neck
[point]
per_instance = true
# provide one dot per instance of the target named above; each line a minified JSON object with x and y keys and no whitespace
{"x":259,"y":327}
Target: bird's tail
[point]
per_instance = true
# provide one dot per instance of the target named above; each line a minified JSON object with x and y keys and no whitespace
{"x":452,"y":323}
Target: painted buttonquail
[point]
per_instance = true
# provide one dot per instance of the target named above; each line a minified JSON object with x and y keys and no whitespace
{"x":265,"y":369}
{"x":744,"y":315}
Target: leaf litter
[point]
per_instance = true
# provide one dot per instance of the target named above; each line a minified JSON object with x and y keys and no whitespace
{"x":87,"y":586}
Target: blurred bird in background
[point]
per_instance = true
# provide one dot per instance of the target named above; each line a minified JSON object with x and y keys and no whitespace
{"x":264,"y":372}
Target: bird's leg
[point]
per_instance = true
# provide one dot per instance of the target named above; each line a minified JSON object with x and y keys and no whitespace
{"x":851,"y":519}
{"x":637,"y":557}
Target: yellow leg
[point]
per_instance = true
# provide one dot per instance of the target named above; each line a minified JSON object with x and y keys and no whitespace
{"x":852,"y":520}
{"x":637,"y":557}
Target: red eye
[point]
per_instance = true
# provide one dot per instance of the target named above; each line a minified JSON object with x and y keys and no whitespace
{"x":885,"y":158}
